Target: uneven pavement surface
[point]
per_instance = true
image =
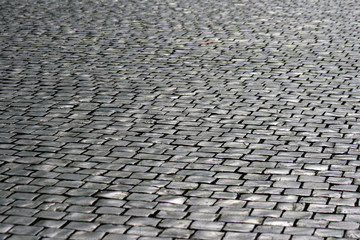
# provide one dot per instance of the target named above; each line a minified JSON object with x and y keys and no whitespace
{"x":191,"y":119}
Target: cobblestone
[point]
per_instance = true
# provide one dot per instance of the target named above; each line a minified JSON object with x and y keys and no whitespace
{"x":187,"y":119}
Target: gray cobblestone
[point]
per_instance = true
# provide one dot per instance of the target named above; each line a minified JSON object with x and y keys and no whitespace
{"x":329,"y":233}
{"x":54,"y":233}
{"x":121,"y":236}
{"x":273,"y":236}
{"x":236,"y":235}
{"x":87,"y":235}
{"x":25,"y":230}
{"x":179,"y":119}
{"x":176,"y":233}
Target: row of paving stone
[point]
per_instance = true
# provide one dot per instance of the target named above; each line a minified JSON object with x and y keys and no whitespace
{"x":152,"y":119}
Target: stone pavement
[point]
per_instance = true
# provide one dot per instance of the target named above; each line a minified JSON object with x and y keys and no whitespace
{"x":191,"y":119}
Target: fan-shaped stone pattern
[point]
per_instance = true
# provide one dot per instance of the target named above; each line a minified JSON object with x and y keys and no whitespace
{"x":152,"y":119}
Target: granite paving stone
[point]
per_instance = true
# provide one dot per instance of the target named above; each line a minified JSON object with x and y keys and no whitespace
{"x":87,"y":235}
{"x":171,"y":120}
{"x":54,"y":233}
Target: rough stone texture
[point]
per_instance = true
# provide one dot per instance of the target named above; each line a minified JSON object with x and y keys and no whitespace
{"x":162,"y":119}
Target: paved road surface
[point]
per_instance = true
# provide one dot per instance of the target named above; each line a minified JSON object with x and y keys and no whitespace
{"x":191,"y":119}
